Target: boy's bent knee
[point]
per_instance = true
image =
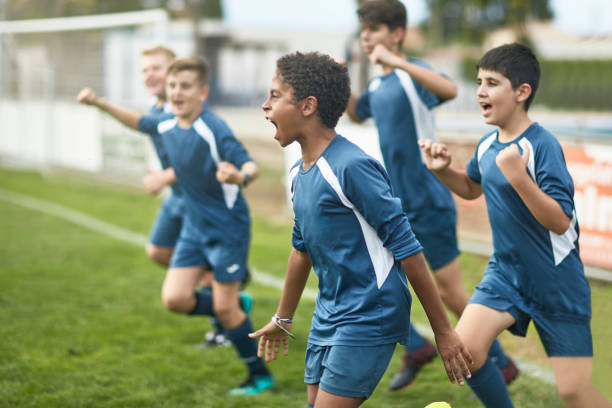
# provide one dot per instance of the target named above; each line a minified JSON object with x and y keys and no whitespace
{"x":179,"y":303}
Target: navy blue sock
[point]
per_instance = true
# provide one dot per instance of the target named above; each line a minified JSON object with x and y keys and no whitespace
{"x":415,"y":341}
{"x":204,"y":303}
{"x":219,"y":329}
{"x":497,"y":355}
{"x":488,"y":385}
{"x":247,"y":347}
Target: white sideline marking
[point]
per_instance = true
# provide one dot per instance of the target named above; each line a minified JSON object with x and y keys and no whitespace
{"x":122,"y":234}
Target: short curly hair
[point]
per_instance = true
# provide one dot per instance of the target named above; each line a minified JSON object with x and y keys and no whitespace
{"x":318,"y":75}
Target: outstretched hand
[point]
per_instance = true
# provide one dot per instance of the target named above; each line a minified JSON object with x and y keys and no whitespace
{"x":87,"y":96}
{"x":270,"y":339}
{"x":455,"y":356}
{"x":436,"y":155}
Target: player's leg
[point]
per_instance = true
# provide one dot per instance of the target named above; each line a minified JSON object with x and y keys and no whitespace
{"x":455,"y":297}
{"x":478,"y":327}
{"x":178,"y":291}
{"x":570,"y":348}
{"x":344,"y":376}
{"x":238,"y":326}
{"x":229,"y":267}
{"x":216,"y":337}
{"x":165,"y":231}
{"x":573,"y":375}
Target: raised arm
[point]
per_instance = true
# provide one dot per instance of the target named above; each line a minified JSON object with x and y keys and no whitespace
{"x":351,"y":109}
{"x":129,"y":118}
{"x":543,"y":207}
{"x":454,"y":355}
{"x":438,"y":84}
{"x":228,"y":173}
{"x":438,"y":159}
{"x":271,"y":335}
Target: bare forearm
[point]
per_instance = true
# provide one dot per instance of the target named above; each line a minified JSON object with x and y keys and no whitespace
{"x":425,"y":289}
{"x":351,"y":109}
{"x":127,"y":117}
{"x":438,"y":84}
{"x":298,"y":269}
{"x":544,"y":208}
{"x":459,"y":183}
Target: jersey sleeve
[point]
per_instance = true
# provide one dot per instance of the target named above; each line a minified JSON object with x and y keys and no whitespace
{"x":231,"y":149}
{"x":472,"y":169}
{"x":362,"y":109}
{"x":430,"y":99}
{"x":148,"y":123}
{"x":552,"y":176}
{"x":296,"y":238}
{"x":367,"y":186}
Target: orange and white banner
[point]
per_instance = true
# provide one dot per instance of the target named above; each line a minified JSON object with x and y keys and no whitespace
{"x":591,"y":168}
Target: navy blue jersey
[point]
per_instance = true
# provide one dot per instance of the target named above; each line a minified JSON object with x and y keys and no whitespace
{"x":162,"y":154}
{"x":543,"y":268}
{"x":218,"y":210}
{"x":403,"y":111}
{"x":355,"y":232}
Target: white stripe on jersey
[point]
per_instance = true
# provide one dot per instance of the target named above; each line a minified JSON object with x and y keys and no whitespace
{"x":166,"y":125}
{"x":294,"y":171}
{"x":562,"y":245}
{"x":482,"y":148}
{"x":381,"y":257}
{"x":230,"y":191}
{"x":424,"y":120}
{"x":524,"y":143}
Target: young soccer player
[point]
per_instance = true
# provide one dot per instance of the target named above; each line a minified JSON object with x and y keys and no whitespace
{"x":353,"y":232}
{"x":401,"y":101}
{"x":211,"y":166}
{"x":535,"y":272}
{"x":169,"y":221}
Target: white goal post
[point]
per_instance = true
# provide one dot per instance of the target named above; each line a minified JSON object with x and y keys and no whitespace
{"x":43,"y":64}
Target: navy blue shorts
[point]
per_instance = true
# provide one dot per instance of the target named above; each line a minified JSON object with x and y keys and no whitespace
{"x":348,"y":371}
{"x":435,"y":229}
{"x":227,"y":260}
{"x":167,"y":226}
{"x":560,"y":338}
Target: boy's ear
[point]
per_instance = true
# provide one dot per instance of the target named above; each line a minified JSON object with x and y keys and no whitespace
{"x":397,"y":35}
{"x":204,"y":90}
{"x":523,"y":92}
{"x":309,"y":105}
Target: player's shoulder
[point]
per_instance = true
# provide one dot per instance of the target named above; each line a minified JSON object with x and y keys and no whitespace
{"x":165,"y":122}
{"x":215,"y":123}
{"x":488,"y":138}
{"x":540,"y":136}
{"x":345,"y":156}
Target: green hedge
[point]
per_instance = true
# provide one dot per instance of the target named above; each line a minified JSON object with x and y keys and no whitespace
{"x":567,"y":84}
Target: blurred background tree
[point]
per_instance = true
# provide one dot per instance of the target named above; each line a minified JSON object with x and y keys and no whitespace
{"x":468,"y":21}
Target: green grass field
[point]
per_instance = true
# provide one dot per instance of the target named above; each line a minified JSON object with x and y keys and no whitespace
{"x":83,"y":324}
